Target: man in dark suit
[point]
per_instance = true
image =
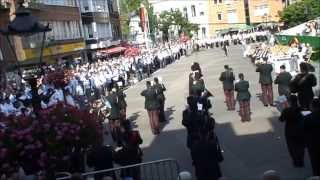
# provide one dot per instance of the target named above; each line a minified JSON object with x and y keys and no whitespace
{"x":302,"y":84}
{"x":243,"y":96}
{"x":265,"y":80}
{"x":227,"y":78}
{"x":311,"y":130}
{"x":283,"y":81}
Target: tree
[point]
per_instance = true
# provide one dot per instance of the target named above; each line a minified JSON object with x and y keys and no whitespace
{"x":175,"y":17}
{"x":300,"y":12}
{"x":129,"y":9}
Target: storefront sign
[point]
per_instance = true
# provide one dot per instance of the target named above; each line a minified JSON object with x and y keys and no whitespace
{"x":54,"y":50}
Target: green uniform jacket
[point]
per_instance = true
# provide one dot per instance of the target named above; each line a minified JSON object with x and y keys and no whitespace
{"x":160,"y":88}
{"x":115,"y":109}
{"x":197,"y":86}
{"x":151,"y":102}
{"x":242,"y":88}
{"x":283,"y":80}
{"x":122,"y":99}
{"x":227,"y":79}
{"x":265,"y":73}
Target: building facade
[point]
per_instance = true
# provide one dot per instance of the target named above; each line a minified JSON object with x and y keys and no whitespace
{"x":101,"y":24}
{"x":64,"y":42}
{"x":226,"y":14}
{"x":263,"y":11}
{"x":195,"y":11}
{"x":213,"y":16}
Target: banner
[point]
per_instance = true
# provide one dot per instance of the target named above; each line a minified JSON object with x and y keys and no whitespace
{"x":143,"y":18}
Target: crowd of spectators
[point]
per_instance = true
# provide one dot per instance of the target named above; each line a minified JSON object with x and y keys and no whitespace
{"x":84,"y":82}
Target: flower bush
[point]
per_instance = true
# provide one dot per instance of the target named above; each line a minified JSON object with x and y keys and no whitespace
{"x":43,"y":142}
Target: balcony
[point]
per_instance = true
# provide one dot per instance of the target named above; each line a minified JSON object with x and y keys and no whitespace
{"x":100,"y":17}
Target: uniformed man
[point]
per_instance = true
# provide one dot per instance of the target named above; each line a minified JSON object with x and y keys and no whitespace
{"x":283,"y":80}
{"x":114,"y":115}
{"x":243,"y":97}
{"x":122,"y":103}
{"x":265,"y":80}
{"x":152,"y":106}
{"x":227,"y":78}
{"x":160,"y":88}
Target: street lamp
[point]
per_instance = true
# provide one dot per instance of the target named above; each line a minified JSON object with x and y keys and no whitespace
{"x":24,"y":25}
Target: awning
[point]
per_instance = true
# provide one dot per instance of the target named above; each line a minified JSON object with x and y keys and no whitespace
{"x":132,"y":51}
{"x":113,"y":50}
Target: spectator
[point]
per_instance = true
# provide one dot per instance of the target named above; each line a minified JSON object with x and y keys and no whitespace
{"x":206,"y":157}
{"x":302,"y":84}
{"x":312,"y":129}
{"x":130,"y":154}
{"x":101,"y":158}
{"x":293,"y":120}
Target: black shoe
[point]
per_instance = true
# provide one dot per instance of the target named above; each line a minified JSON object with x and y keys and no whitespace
{"x":266,"y":105}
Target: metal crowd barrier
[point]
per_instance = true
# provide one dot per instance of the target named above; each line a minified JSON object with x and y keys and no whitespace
{"x":166,"y":169}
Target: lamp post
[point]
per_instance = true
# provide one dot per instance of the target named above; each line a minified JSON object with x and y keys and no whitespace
{"x":24,"y":25}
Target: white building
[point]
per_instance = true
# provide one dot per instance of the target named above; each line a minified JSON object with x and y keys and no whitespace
{"x":101,"y":24}
{"x":196,"y":11}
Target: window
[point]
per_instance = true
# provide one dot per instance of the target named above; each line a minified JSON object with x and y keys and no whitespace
{"x":202,"y":13}
{"x":261,"y":10}
{"x":100,"y":6}
{"x":203,"y":32}
{"x":219,"y":16}
{"x":193,"y":11}
{"x":185,"y":12}
{"x":220,"y":1}
{"x":215,"y":1}
{"x":232,"y":16}
{"x":110,"y":6}
{"x":61,"y":30}
{"x":59,"y":2}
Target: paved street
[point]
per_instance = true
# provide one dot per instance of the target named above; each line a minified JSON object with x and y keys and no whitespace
{"x":249,"y":148}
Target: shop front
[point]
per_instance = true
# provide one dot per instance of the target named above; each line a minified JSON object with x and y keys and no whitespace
{"x":56,"y":53}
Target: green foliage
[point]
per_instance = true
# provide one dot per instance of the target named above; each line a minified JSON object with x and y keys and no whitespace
{"x":300,"y":12}
{"x":169,"y":18}
{"x":131,"y":8}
